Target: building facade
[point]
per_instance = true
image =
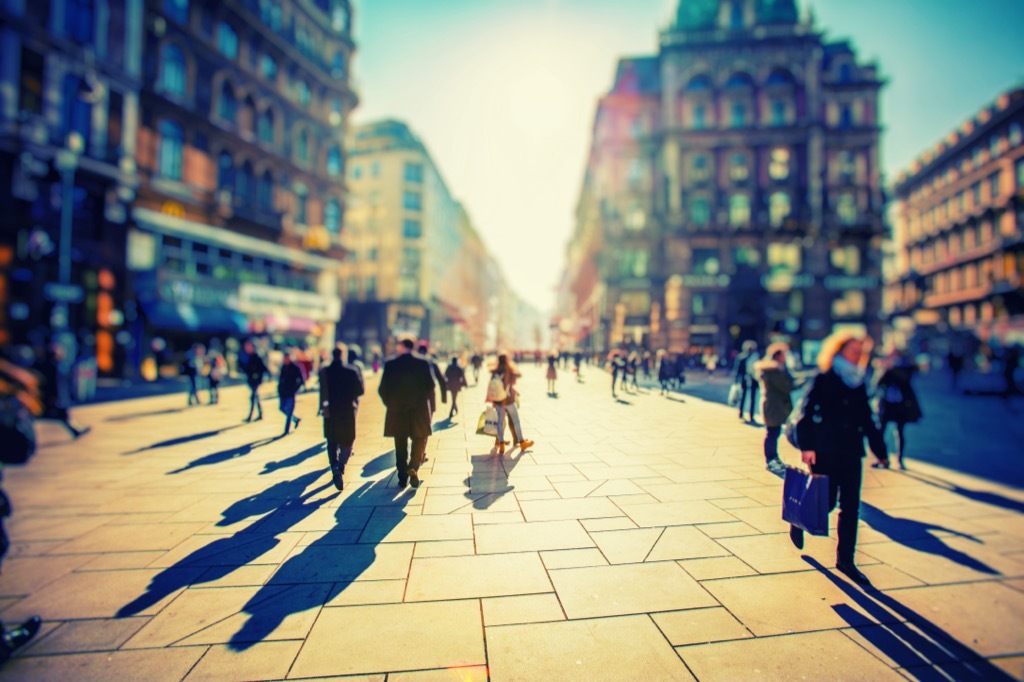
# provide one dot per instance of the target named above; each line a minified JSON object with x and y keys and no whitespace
{"x":69,"y":110}
{"x":237,"y":226}
{"x":416,"y":263}
{"x":958,"y":260}
{"x":732,"y":190}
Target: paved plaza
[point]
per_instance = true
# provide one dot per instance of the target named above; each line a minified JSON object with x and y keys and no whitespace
{"x":639,"y":539}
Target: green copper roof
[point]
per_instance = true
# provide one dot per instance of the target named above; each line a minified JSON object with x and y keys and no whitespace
{"x":776,"y":12}
{"x":697,"y":15}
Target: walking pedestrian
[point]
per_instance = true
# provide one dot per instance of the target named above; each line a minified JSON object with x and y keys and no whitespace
{"x":289,"y":381}
{"x":746,"y":378}
{"x":424,"y":350}
{"x":455,"y":377}
{"x":341,"y":384}
{"x":898,"y":404}
{"x":1011,"y":362}
{"x":405,"y":388}
{"x":618,"y":368}
{"x":552,"y":373}
{"x":955,"y":359}
{"x":776,"y":387}
{"x":56,"y":396}
{"x":255,"y":370}
{"x":666,"y":372}
{"x":836,"y":419}
{"x":477,"y":361}
{"x":577,"y":360}
{"x":216,"y":368}
{"x":190,"y":368}
{"x":506,"y":374}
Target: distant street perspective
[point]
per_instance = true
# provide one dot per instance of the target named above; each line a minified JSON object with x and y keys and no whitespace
{"x":511,"y":340}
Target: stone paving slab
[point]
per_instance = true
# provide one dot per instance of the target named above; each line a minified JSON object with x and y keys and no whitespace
{"x":626,"y":544}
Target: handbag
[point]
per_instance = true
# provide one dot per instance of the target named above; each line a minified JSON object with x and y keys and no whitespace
{"x":487,"y":424}
{"x":17,"y":433}
{"x":805,"y":500}
{"x":734,"y":395}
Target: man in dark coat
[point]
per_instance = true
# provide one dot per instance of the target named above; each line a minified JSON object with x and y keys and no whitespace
{"x":255,"y":370}
{"x":341,"y":384}
{"x":406,"y":387}
{"x":288,"y":384}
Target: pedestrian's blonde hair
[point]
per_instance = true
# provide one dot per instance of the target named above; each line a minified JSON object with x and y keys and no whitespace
{"x":833,"y":345}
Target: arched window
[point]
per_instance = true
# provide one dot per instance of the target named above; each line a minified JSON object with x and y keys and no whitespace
{"x":227,"y":40}
{"x":302,"y":147}
{"x":736,"y":19}
{"x":303,"y":94}
{"x":778,"y":208}
{"x":243,"y":185}
{"x":338,"y":65}
{"x":301,"y":200}
{"x":172,"y":145}
{"x":739,"y":210}
{"x":172,"y":70}
{"x":334,"y":162}
{"x":700,"y":211}
{"x":176,"y":10}
{"x":846,"y":209}
{"x":332,"y":216}
{"x":778,"y":163}
{"x":247,"y":118}
{"x":265,"y":127}
{"x":739,"y":168}
{"x":268,"y":67}
{"x":225,"y":171}
{"x":227,"y":105}
{"x":265,"y":191}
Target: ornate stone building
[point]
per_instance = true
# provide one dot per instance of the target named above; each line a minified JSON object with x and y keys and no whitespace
{"x":958,"y":263}
{"x":733,"y":189}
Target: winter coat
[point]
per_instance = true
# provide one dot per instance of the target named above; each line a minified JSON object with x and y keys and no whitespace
{"x":455,"y":377}
{"x":406,"y":387}
{"x":341,"y":384}
{"x":898,"y":401}
{"x":776,"y":387}
{"x":835,"y":421}
{"x":290,"y":381}
{"x":254,"y":369}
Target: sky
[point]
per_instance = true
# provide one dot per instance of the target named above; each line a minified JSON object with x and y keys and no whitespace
{"x":503,"y":93}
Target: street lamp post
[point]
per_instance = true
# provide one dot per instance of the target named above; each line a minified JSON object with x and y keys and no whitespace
{"x":66,"y":162}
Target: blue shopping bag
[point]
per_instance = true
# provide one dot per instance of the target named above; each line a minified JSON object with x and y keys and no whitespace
{"x":805,"y":502}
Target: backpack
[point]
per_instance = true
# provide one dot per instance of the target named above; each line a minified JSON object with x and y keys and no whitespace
{"x":496,"y":391}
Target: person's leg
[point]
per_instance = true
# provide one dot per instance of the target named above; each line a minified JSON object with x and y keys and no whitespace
{"x":402,"y":460}
{"x":753,"y":399}
{"x":900,"y":444}
{"x":332,"y":454}
{"x":847,"y":479}
{"x":419,"y":449}
{"x":771,"y":444}
{"x":500,"y":442}
{"x":743,"y":395}
{"x":288,"y":407}
{"x":517,"y":428}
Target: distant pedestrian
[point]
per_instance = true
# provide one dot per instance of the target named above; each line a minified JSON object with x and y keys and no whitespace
{"x":955,"y":359}
{"x":455,"y":378}
{"x":552,"y":374}
{"x":577,"y":360}
{"x":341,"y":384}
{"x":898,"y":404}
{"x":255,"y":371}
{"x":216,"y":368}
{"x":666,"y":372}
{"x":288,"y":384}
{"x":745,"y":377}
{"x":405,"y":388}
{"x":632,"y":367}
{"x":56,"y":396}
{"x":777,"y":387}
{"x":836,"y":419}
{"x":506,"y":374}
{"x":191,"y":366}
{"x":423,"y":348}
{"x":618,"y":368}
{"x":477,"y":361}
{"x":680,"y":378}
{"x":1011,"y":362}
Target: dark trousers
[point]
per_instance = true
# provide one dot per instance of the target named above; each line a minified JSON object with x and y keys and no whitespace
{"x":254,"y":402}
{"x":288,"y":409}
{"x":455,"y":405}
{"x":749,"y":385}
{"x":338,"y":453}
{"x":900,"y":439}
{"x":771,"y":443}
{"x":404,"y":460}
{"x":844,"y":480}
{"x":193,"y":394}
{"x":214,"y":392}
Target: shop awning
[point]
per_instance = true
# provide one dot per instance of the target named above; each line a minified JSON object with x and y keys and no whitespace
{"x":186,"y":317}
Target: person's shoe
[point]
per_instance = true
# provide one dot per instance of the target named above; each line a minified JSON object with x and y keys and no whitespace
{"x":339,"y":482}
{"x":414,"y":478}
{"x":525,"y":445}
{"x":19,"y":636}
{"x":501,"y":448}
{"x":246,"y":421}
{"x":797,"y":536}
{"x":402,"y":483}
{"x":902,"y":466}
{"x":259,"y":418}
{"x":297,"y":420}
{"x":776,"y":466}
{"x":853,"y":573}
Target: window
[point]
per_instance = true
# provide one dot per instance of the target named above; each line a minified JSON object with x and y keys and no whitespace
{"x":332,"y":216}
{"x":80,"y":20}
{"x":1020,"y":173}
{"x":746,"y":256}
{"x":412,"y":201}
{"x":334,"y":162}
{"x":784,"y":259}
{"x":778,"y":208}
{"x":700,"y":211}
{"x":357,"y":171}
{"x":850,"y":304}
{"x":247,"y":117}
{"x":172,"y":70}
{"x":738,"y":115}
{"x":778,"y":163}
{"x":994,"y":145}
{"x":976,"y":195}
{"x":700,"y":117}
{"x":176,"y":10}
{"x":847,"y":166}
{"x":265,"y":127}
{"x":244,"y":183}
{"x":706,"y":262}
{"x":845,"y":116}
{"x":227,"y":40}
{"x":845,"y":73}
{"x":265,"y":191}
{"x":778,"y":108}
{"x":739,"y":210}
{"x":30,"y":95}
{"x":993,"y":186}
{"x":412,"y":229}
{"x":338,"y":65}
{"x":76,"y":112}
{"x":846,"y":209}
{"x":846,"y":259}
{"x":371,"y":287}
{"x":736,"y":21}
{"x":172,"y":143}
{"x":1016,"y":136}
{"x":738,"y":166}
{"x":413,"y":172}
{"x":302,"y":148}
{"x":371,"y":255}
{"x":225,"y":171}
{"x":303,"y":93}
{"x":301,"y":199}
{"x":700,"y":168}
{"x":268,"y":67}
{"x":227,"y":105}
{"x":633,"y":263}
{"x":636,"y":173}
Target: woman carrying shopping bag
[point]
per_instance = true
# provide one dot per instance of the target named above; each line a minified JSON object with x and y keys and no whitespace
{"x":501,"y":393}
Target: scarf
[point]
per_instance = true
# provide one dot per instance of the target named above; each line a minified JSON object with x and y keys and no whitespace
{"x":851,"y":374}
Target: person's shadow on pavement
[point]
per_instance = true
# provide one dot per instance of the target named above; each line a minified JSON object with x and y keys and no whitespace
{"x":983,"y":496}
{"x":225,"y":455}
{"x":488,"y":482}
{"x":294,"y":460}
{"x":181,"y":440}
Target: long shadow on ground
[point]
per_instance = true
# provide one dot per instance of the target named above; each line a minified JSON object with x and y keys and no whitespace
{"x":223,"y":556}
{"x":181,"y":440}
{"x":327,"y":566}
{"x":229,"y":454}
{"x":294,"y":460}
{"x":488,"y":482}
{"x":916,"y":652}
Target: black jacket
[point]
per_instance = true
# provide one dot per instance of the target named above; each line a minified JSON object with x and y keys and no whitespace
{"x":836,"y":420}
{"x":290,"y":381}
{"x":255,"y":369}
{"x":341,"y":385}
{"x":406,"y":387}
{"x":455,"y":377}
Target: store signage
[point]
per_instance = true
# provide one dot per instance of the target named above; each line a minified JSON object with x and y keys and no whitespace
{"x":261,"y":299}
{"x":786,"y":281}
{"x":705,"y":281}
{"x":197,"y":292}
{"x":843,"y":282}
{"x":63,"y":293}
